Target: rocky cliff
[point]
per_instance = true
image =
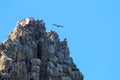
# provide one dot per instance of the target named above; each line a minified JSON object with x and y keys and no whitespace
{"x":31,"y":53}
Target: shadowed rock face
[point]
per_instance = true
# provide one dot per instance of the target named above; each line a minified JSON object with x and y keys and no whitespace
{"x":31,"y":53}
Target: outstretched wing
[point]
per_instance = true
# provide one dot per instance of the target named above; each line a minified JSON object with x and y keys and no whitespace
{"x":61,"y":26}
{"x":57,"y":25}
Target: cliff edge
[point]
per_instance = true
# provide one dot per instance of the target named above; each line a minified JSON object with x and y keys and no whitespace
{"x":31,"y":53}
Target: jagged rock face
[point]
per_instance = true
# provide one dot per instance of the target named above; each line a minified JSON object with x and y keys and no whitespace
{"x":31,"y":53}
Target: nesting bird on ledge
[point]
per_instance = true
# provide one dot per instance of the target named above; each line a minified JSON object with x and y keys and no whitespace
{"x":57,"y":25}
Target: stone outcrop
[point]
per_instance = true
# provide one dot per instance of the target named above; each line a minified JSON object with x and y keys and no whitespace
{"x":31,"y":53}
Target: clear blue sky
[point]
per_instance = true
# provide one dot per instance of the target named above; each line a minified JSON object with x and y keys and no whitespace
{"x":92,"y":28}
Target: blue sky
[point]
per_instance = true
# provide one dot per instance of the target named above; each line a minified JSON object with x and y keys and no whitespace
{"x":92,"y":28}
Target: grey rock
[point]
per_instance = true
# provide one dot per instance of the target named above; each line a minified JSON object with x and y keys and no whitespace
{"x":35,"y":61}
{"x":31,"y":53}
{"x":66,"y":78}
